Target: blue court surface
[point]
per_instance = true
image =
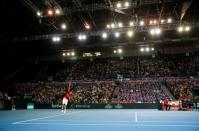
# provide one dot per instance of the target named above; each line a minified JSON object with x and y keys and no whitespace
{"x":99,"y":120}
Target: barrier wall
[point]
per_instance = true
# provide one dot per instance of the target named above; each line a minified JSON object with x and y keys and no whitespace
{"x":21,"y":104}
{"x":115,"y":106}
{"x":26,"y":104}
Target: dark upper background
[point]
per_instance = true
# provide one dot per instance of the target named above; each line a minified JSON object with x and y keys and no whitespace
{"x":19,"y":20}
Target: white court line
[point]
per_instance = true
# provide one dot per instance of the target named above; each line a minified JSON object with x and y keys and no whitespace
{"x":168,"y":121}
{"x":85,"y":121}
{"x":105,"y":121}
{"x":136,"y":117}
{"x":39,"y":118}
{"x":116,"y":124}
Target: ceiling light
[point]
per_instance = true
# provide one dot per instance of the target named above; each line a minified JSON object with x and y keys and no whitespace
{"x":112,"y":25}
{"x":117,"y":34}
{"x":63,"y":26}
{"x":147,"y":49}
{"x":141,"y":23}
{"x":126,"y":4}
{"x":38,"y":13}
{"x":56,"y":39}
{"x":72,"y":53}
{"x":104,"y":35}
{"x":82,"y":37}
{"x":187,"y":28}
{"x":162,"y":21}
{"x":120,"y":51}
{"x":108,"y":26}
{"x":130,"y":33}
{"x":119,"y":5}
{"x":120,"y":25}
{"x":50,"y":12}
{"x":152,"y":31}
{"x":131,"y":23}
{"x":87,"y":26}
{"x":180,"y":29}
{"x":57,"y":11}
{"x":169,"y":20}
{"x":68,"y":54}
{"x":157,"y":31}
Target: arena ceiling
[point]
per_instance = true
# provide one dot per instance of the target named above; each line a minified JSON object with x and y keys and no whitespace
{"x":31,"y":25}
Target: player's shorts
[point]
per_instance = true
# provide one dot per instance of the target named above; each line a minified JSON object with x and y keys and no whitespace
{"x":65,"y":101}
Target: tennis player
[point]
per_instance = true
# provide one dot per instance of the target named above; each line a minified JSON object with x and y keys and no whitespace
{"x":66,"y":98}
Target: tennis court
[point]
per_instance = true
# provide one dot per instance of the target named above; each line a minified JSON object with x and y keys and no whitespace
{"x":99,"y":120}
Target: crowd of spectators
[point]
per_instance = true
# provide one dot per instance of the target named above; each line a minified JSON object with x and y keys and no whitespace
{"x":140,"y":91}
{"x":188,"y":66}
{"x":182,"y":88}
{"x":48,"y":85}
{"x":43,"y":92}
{"x":111,"y":68}
{"x":136,"y":91}
{"x":94,"y":92}
{"x":53,"y":92}
{"x":160,"y":67}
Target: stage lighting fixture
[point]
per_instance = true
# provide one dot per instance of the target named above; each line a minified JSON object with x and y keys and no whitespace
{"x":112,"y":25}
{"x":72,"y":53}
{"x":147,"y":49}
{"x":119,"y":51}
{"x":57,"y":11}
{"x":141,"y":23}
{"x":169,"y":20}
{"x":38,"y":13}
{"x":152,"y":31}
{"x":187,"y":28}
{"x":68,"y":54}
{"x":104,"y":35}
{"x":120,"y":25}
{"x":56,"y":39}
{"x":126,"y":4}
{"x":50,"y":12}
{"x":117,"y":34}
{"x":130,"y":33}
{"x":180,"y":29}
{"x":82,"y":37}
{"x":157,"y":31}
{"x":131,"y":23}
{"x":108,"y":26}
{"x":87,"y":26}
{"x":119,"y":5}
{"x":162,"y":21}
{"x":63,"y":26}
